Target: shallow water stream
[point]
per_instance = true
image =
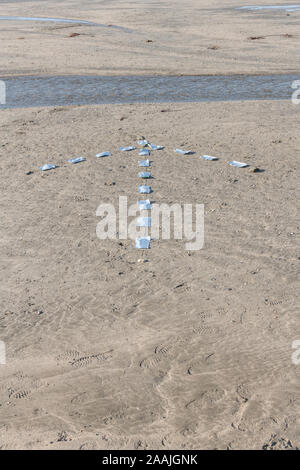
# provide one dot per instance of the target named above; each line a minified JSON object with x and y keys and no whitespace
{"x":31,"y":91}
{"x":288,"y":8}
{"x":45,"y":19}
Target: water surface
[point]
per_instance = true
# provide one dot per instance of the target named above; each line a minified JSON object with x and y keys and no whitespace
{"x":61,"y":20}
{"x":31,"y":91}
{"x":271,"y":7}
{"x":53,"y":20}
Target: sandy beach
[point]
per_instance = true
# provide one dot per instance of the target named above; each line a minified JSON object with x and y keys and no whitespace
{"x":109,"y":347}
{"x":149,"y":37}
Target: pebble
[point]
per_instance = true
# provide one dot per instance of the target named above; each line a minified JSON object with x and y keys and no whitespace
{"x":255,"y":170}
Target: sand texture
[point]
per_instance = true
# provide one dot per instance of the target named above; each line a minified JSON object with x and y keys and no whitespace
{"x":187,"y":350}
{"x":149,"y":37}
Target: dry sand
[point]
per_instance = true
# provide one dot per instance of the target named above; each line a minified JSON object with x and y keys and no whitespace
{"x":122,"y":357}
{"x":189,"y":349}
{"x":189,"y":37}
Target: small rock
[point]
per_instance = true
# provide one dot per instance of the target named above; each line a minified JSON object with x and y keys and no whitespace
{"x":255,"y":170}
{"x":179,"y":285}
